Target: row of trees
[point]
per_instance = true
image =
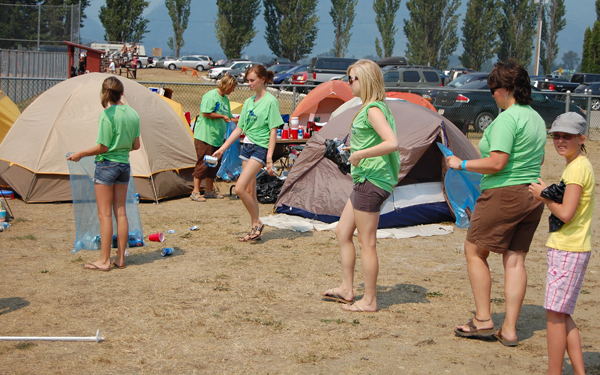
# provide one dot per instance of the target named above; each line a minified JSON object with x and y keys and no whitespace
{"x":502,"y":28}
{"x":590,"y":58}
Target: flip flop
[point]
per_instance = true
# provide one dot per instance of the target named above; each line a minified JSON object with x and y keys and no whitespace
{"x":474,"y":332}
{"x":335,"y":298}
{"x":356,"y":308}
{"x":196,"y":197}
{"x":509,"y":343}
{"x":213,"y":195}
{"x":114,"y":264}
{"x":93,"y":267}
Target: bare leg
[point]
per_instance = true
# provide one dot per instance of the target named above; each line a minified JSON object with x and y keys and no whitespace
{"x":104,"y":200}
{"x":245,"y":188}
{"x":210,"y":185}
{"x":481,"y":285}
{"x":344,"y":232}
{"x":366,"y":223}
{"x":119,"y":207}
{"x":515,"y":285}
{"x":197,"y":182}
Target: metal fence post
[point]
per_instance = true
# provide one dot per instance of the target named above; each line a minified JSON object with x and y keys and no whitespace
{"x":567,"y":101}
{"x":588,"y":115}
{"x":294,"y":98}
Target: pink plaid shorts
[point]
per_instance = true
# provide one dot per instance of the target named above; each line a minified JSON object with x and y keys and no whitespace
{"x":564,"y":278}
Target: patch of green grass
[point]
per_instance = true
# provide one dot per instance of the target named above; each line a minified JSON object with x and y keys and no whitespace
{"x":584,"y":291}
{"x":221,"y":276}
{"x":80,"y":259}
{"x":24,"y":345}
{"x":338,"y":321}
{"x":25,"y":237}
{"x":44,"y":271}
{"x":235,"y":222}
{"x":308,"y":358}
{"x":266,"y":323}
{"x":221,"y":288}
{"x":497,"y":301}
{"x":286,"y":246}
{"x":435,"y":294}
{"x":228,"y":248}
{"x":20,"y":220}
{"x":187,"y":235}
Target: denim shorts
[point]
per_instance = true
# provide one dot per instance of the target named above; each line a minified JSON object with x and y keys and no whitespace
{"x":110,"y":172}
{"x":252,"y":151}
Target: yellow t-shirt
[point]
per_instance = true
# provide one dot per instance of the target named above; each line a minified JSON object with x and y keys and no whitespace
{"x":576,"y":235}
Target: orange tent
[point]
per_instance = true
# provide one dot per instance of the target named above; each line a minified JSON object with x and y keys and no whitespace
{"x":323,"y":100}
{"x":413,"y":98}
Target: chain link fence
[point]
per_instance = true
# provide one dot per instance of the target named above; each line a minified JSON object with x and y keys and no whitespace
{"x":34,"y":64}
{"x":470,"y":110}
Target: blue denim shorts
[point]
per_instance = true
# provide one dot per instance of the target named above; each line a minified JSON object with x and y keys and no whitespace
{"x":110,"y":172}
{"x":252,"y":151}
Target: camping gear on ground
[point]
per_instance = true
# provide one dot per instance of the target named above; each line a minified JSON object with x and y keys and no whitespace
{"x":316,"y":189}
{"x":87,"y":224}
{"x":463,"y":189}
{"x":231,"y":164}
{"x":322,"y":101}
{"x":268,"y":188}
{"x":556,"y":193}
{"x":65,"y":119}
{"x":334,"y":151}
{"x":178,"y":108}
{"x":97,"y":338}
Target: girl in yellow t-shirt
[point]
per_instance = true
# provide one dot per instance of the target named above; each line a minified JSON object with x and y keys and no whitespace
{"x":569,"y":247}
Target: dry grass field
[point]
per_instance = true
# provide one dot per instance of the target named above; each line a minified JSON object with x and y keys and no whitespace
{"x":218,"y":306}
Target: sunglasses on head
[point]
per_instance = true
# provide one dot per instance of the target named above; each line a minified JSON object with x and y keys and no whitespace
{"x":566,"y":137}
{"x":352,"y":79}
{"x":493,"y":89}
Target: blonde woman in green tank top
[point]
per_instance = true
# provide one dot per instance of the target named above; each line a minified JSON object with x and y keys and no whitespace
{"x":375,"y":166}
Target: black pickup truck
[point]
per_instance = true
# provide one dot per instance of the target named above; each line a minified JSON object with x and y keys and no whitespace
{"x":555,"y":84}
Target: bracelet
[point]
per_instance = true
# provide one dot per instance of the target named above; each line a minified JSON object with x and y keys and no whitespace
{"x":463,"y":165}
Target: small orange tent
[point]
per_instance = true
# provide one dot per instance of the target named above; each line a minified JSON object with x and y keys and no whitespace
{"x":413,"y":98}
{"x":323,"y":100}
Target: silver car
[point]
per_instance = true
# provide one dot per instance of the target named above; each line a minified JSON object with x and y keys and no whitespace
{"x":198,"y":62}
{"x":160,"y":63}
{"x":220,"y":72}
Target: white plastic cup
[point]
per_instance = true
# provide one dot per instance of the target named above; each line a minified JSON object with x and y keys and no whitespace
{"x":294,"y":123}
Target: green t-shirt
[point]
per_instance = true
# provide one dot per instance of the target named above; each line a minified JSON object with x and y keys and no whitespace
{"x":118,"y":127}
{"x":520,"y":132}
{"x":212,"y":130}
{"x":381,"y":171}
{"x":258,"y":118}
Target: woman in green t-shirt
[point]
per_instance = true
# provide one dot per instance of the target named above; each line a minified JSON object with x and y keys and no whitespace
{"x":506,"y":215}
{"x":375,"y":167}
{"x":118,"y":134}
{"x":259,"y":121}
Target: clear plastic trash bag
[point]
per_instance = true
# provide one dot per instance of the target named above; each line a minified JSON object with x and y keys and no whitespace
{"x":231,"y":164}
{"x":87,"y":224}
{"x":463,"y":189}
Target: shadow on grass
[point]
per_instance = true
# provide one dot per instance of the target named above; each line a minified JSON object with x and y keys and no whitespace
{"x":399,"y":294}
{"x":151,"y":256}
{"x":12,"y":304}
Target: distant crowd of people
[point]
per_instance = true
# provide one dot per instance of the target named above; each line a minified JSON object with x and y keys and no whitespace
{"x":504,"y":219}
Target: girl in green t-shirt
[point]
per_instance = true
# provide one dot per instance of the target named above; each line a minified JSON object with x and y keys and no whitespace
{"x":118,"y":134}
{"x":259,"y":121}
{"x":375,"y":166}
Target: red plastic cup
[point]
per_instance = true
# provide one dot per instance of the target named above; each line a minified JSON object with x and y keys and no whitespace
{"x":294,"y":133}
{"x":285,"y":134}
{"x":157,"y":237}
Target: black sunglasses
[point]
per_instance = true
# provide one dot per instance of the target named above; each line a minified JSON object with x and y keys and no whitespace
{"x":493,"y":89}
{"x":566,"y":137}
{"x":352,"y":79}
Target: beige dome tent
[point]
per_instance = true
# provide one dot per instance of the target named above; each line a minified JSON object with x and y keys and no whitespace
{"x":65,"y":119}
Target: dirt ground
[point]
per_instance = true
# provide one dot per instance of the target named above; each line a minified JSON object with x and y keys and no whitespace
{"x":220,"y":306}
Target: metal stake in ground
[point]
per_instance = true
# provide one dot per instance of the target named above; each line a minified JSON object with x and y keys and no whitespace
{"x":97,"y":338}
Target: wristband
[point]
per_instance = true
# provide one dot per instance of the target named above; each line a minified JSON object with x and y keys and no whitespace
{"x":463,"y":165}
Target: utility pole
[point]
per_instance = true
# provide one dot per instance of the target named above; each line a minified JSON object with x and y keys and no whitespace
{"x":536,"y":70}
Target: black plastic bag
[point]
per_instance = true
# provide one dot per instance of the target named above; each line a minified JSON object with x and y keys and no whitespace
{"x":268,"y":188}
{"x":332,"y":153}
{"x":556,"y":193}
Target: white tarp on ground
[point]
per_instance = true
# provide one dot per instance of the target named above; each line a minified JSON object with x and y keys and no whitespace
{"x":300,"y":224}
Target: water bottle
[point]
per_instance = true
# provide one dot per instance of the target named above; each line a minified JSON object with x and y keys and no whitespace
{"x":137,"y":198}
{"x":2,"y":213}
{"x":195,"y":227}
{"x":171,"y":231}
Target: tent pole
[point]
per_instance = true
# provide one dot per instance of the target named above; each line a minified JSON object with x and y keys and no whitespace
{"x":154,"y":189}
{"x":31,"y":187}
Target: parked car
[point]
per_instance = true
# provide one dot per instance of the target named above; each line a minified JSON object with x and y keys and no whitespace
{"x":557,"y":84}
{"x":466,"y":78}
{"x":280,"y":68}
{"x":322,"y":69}
{"x":585,"y":78}
{"x":240,"y":73}
{"x":474,"y":104}
{"x":592,"y":89}
{"x":160,"y":62}
{"x":281,"y":76}
{"x":454,"y":73}
{"x":198,"y":62}
{"x":299,"y":78}
{"x":411,"y":77}
{"x":276,"y":61}
{"x":219,"y":72}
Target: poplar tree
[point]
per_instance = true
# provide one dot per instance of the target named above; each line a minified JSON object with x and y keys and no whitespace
{"x":480,"y":35}
{"x":123,"y":21}
{"x":291,"y":27}
{"x":179,"y":11}
{"x":431,"y":31}
{"x":590,"y":58}
{"x":234,"y":26}
{"x":553,"y":22}
{"x":342,"y":14}
{"x":517,"y":31}
{"x":385,"y":14}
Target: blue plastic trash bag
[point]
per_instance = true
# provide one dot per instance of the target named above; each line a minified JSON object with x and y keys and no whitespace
{"x":231,"y":164}
{"x":87,"y":224}
{"x":462,"y":188}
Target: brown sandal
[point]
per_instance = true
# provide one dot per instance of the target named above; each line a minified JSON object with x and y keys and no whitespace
{"x":254,"y":234}
{"x":473,"y":331}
